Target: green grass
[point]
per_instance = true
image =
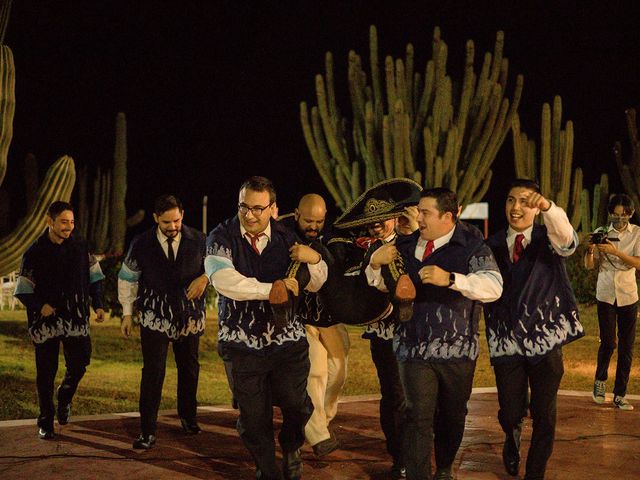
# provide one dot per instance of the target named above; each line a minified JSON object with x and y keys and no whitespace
{"x":113,"y":378}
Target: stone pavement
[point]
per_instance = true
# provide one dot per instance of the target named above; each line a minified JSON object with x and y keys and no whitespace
{"x":592,"y":442}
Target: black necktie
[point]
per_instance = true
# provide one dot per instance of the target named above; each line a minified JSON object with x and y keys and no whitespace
{"x":172,"y":257}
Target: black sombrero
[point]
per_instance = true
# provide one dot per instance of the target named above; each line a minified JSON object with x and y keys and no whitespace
{"x":383,"y":201}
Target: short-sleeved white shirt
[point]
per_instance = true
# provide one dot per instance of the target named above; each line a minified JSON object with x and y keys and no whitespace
{"x":616,"y":279}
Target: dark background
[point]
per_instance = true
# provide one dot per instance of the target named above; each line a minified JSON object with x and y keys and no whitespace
{"x":211,"y":88}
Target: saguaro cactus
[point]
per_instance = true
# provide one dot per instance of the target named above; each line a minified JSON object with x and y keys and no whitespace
{"x":58,"y":182}
{"x":554,"y":167}
{"x":57,"y":185}
{"x":419,"y":127}
{"x":630,"y":171}
{"x":106,"y":225}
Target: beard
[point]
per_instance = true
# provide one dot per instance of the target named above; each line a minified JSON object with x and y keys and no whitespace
{"x":170,"y":233}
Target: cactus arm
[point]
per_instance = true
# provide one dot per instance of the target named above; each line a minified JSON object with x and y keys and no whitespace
{"x":57,"y":185}
{"x":7,"y":105}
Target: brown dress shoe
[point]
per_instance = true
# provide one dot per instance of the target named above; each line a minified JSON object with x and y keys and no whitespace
{"x":404,"y":296}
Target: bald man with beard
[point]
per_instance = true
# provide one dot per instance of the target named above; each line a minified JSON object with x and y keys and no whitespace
{"x":328,"y":341}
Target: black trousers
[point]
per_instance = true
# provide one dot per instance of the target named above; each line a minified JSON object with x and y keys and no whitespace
{"x":154,"y":356}
{"x":257,"y":380}
{"x":77,"y":355}
{"x":392,"y":402}
{"x":437,"y":395}
{"x":513,"y":380}
{"x":626,"y":319}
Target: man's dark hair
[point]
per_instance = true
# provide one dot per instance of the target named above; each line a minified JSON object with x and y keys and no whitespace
{"x":525,"y":183}
{"x":446,"y":200}
{"x":165,"y":203}
{"x":57,"y":207}
{"x":621,"y":199}
{"x":260,"y":184}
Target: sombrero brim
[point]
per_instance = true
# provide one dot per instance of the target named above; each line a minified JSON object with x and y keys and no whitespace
{"x":405,"y":192}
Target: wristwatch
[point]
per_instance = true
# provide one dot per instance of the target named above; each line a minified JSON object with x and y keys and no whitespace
{"x":452,"y":278}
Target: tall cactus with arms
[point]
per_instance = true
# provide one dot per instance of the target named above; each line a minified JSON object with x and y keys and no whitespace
{"x":554,"y":170}
{"x":630,"y":171}
{"x":419,"y":127}
{"x":57,"y":184}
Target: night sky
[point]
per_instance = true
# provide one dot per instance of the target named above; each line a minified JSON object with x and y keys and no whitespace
{"x":211,"y":89}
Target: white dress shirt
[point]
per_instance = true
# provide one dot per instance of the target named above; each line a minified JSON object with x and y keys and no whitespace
{"x":616,"y":279}
{"x":236,"y":286}
{"x":127,"y":290}
{"x":162,"y":238}
{"x":483,"y":285}
{"x":561,"y":234}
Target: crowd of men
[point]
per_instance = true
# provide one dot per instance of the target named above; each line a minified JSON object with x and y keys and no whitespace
{"x":398,"y":261}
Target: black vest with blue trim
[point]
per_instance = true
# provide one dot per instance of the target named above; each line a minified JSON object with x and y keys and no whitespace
{"x":162,"y":295}
{"x":248,"y":324}
{"x":537,"y":312}
{"x":444,"y":326}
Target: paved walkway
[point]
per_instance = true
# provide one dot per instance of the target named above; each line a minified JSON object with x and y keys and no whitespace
{"x":592,"y":442}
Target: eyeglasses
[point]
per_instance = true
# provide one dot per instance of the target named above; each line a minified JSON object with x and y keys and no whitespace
{"x":255,"y":211}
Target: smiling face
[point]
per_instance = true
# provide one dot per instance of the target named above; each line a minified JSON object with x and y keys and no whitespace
{"x":61,"y":227}
{"x":170,"y":222}
{"x":254,"y":223}
{"x":432,"y":223}
{"x":519,"y":215}
{"x":382,"y":230}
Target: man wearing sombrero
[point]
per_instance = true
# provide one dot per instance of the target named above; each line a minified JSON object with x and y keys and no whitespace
{"x":377,"y":213}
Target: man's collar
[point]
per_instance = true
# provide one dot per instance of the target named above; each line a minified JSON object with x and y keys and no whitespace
{"x":266,"y":231}
{"x":440,"y":241}
{"x":511,"y":234}
{"x":625,"y":229}
{"x":163,"y":238}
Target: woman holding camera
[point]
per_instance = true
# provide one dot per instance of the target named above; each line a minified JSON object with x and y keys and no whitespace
{"x":617,"y":295}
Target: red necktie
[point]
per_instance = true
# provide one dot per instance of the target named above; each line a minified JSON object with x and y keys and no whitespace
{"x":427,"y":250}
{"x":254,"y":241}
{"x":365,"y":242}
{"x":518,"y":248}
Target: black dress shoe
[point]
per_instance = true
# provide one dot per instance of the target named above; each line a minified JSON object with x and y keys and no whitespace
{"x":45,"y":433}
{"x":443,"y":474}
{"x":292,"y":465}
{"x":64,"y":412}
{"x":262,"y":476}
{"x":510,"y":457}
{"x":325,"y":447}
{"x":144,"y":442}
{"x":190,"y":427}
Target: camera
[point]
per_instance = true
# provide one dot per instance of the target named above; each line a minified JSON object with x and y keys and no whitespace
{"x":598,"y":238}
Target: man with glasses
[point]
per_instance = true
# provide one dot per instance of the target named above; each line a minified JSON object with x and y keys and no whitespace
{"x":247,"y":260}
{"x":615,"y":250}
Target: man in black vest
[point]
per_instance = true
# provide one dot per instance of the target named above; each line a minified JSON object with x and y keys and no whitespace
{"x":437,"y":347}
{"x":381,"y":212}
{"x":57,"y":277}
{"x":247,"y":260}
{"x":328,"y":340}
{"x":163,"y":275}
{"x":527,"y":326}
